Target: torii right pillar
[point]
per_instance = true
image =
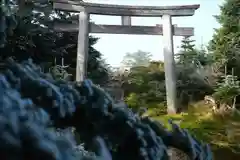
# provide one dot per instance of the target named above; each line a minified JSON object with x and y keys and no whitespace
{"x":169,"y":65}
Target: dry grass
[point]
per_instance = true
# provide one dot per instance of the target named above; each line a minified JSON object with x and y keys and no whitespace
{"x":220,"y":131}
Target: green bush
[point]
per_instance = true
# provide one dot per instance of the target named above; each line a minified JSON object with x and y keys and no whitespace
{"x":133,"y":101}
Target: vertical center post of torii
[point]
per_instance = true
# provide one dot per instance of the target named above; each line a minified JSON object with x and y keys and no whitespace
{"x":166,"y":29}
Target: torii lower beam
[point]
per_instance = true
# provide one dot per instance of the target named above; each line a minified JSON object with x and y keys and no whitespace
{"x":121,"y":29}
{"x":166,"y":12}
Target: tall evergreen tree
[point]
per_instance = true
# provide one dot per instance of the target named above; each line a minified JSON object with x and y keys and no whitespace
{"x":190,"y":56}
{"x":225,"y":44}
{"x":35,"y":38}
{"x":187,"y":52}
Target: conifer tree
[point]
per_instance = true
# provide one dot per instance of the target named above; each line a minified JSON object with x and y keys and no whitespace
{"x":33,"y":36}
{"x":225,"y":44}
{"x":187,"y":52}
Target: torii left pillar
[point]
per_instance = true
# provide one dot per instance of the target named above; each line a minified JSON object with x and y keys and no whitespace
{"x":82,"y":49}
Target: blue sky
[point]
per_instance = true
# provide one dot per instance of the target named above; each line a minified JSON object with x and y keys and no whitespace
{"x":114,"y":47}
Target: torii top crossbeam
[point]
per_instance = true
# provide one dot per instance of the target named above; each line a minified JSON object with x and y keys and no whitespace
{"x":124,"y":10}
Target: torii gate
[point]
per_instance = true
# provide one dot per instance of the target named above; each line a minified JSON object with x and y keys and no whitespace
{"x":166,"y":29}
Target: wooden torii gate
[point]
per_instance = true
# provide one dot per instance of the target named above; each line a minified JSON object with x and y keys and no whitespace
{"x":166,"y":29}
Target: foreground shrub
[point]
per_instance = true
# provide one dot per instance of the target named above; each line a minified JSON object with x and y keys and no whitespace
{"x":32,"y":103}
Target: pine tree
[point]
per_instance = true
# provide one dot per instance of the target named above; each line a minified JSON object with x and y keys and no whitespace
{"x":187,"y":52}
{"x":187,"y":44}
{"x":225,"y":44}
{"x":46,"y":46}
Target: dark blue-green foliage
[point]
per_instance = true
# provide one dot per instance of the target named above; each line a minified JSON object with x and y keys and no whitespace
{"x":8,"y":22}
{"x":32,"y":102}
